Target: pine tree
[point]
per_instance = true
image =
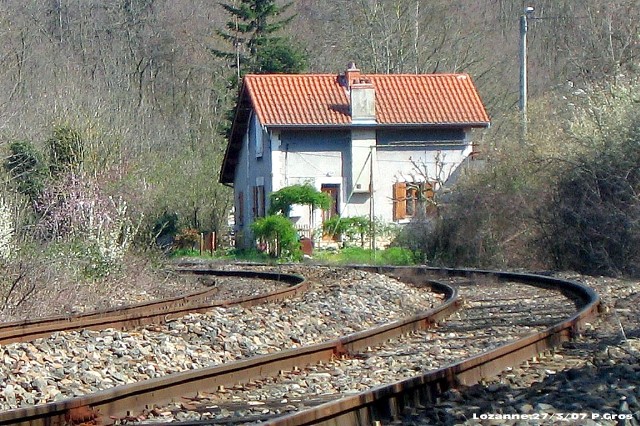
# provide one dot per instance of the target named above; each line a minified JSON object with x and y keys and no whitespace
{"x":252,"y":33}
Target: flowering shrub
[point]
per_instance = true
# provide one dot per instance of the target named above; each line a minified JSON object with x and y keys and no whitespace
{"x":75,"y":209}
{"x":7,"y":230}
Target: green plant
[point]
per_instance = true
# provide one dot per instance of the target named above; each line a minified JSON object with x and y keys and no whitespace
{"x":592,"y":223}
{"x":167,"y":224}
{"x":357,"y":255}
{"x":280,"y":55}
{"x":278,"y":236}
{"x":397,"y":256}
{"x":283,"y":199}
{"x":251,"y":30}
{"x":66,"y":149}
{"x":185,"y":252}
{"x":348,"y":228}
{"x":27,"y":168}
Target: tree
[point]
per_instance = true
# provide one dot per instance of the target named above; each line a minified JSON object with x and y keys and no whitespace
{"x":283,"y":199}
{"x":279,"y":56}
{"x":251,"y":33}
{"x":66,"y":150}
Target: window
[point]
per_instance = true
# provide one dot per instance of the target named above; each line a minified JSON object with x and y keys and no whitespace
{"x":258,"y":201}
{"x":259,"y":137}
{"x":411,"y":198}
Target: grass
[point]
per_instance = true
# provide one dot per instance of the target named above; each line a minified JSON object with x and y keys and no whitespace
{"x":355,"y":255}
{"x":186,"y":252}
{"x":251,"y":255}
{"x":351,"y":255}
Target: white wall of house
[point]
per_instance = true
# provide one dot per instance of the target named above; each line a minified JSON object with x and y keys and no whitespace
{"x":344,"y":158}
{"x":313,"y":157}
{"x":432,"y":164}
{"x":281,"y":157}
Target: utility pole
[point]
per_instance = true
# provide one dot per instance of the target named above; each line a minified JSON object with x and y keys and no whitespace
{"x":523,"y":68}
{"x":372,"y":209}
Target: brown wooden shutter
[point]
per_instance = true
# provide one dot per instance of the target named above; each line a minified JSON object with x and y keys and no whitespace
{"x":261,"y":201}
{"x":428,"y":193}
{"x":427,"y":190}
{"x":240,"y":211}
{"x":255,"y":202}
{"x":399,"y":200}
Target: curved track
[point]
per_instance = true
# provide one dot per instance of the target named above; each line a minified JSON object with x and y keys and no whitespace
{"x":379,"y":403}
{"x":151,"y":312}
{"x":391,"y":402}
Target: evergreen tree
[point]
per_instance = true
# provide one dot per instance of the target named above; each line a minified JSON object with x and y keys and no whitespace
{"x":257,"y":49}
{"x":27,"y":168}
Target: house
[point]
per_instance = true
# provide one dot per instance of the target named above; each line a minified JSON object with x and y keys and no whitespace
{"x":371,"y":141}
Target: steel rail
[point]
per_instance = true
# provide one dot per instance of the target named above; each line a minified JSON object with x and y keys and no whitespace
{"x":106,"y":406}
{"x":389,"y":402}
{"x":151,"y":312}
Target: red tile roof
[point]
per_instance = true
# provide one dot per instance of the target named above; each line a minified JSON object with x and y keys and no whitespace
{"x":319,"y":99}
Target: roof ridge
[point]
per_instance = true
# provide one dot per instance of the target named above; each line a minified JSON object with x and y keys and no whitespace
{"x":438,"y":74}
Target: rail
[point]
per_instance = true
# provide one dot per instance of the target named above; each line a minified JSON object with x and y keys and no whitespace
{"x":388,"y":401}
{"x":120,"y":401}
{"x":150,"y":312}
{"x":380,"y":403}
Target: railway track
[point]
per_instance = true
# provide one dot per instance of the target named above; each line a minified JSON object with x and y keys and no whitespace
{"x":496,"y":312}
{"x":126,"y":402}
{"x":152,"y":312}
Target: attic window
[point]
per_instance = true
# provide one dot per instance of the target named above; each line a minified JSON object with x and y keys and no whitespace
{"x":258,"y":137}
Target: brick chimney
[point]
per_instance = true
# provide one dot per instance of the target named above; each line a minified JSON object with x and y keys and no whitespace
{"x":362,"y":96}
{"x":352,"y":74}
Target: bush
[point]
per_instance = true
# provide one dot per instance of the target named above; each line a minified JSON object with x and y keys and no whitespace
{"x":278,"y":236}
{"x":283,"y":199}
{"x":187,"y":239}
{"x":348,"y":229}
{"x":27,"y":168}
{"x":167,"y":224}
{"x":592,"y":224}
{"x":484,"y":224}
{"x":77,"y":211}
{"x":66,"y":150}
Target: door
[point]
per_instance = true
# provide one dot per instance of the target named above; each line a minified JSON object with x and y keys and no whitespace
{"x":333,"y":190}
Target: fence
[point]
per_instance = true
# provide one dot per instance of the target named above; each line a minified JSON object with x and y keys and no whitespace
{"x":305,"y":231}
{"x":207,"y":242}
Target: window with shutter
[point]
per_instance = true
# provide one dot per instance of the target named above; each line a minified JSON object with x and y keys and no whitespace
{"x":410,"y":197}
